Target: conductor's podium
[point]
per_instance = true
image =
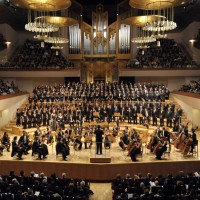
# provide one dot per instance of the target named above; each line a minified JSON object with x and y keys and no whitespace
{"x":103,"y":158}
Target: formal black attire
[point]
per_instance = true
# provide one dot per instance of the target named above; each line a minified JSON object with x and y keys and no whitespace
{"x":161,"y":150}
{"x":37,"y":148}
{"x":16,"y":149}
{"x":60,"y":148}
{"x":194,"y":140}
{"x":99,"y":139}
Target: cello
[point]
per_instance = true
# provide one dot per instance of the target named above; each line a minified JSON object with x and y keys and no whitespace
{"x":188,"y":142}
{"x":158,"y":145}
{"x":179,"y":142}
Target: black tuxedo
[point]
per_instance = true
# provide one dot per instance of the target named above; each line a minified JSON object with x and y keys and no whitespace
{"x":99,"y":138}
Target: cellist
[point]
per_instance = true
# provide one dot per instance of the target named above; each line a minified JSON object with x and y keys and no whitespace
{"x":135,"y":149}
{"x":162,"y":148}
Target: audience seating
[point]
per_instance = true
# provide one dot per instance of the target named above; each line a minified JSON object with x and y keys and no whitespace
{"x":167,"y":55}
{"x":182,"y":186}
{"x":193,"y":87}
{"x":34,"y":57}
{"x":40,"y":187}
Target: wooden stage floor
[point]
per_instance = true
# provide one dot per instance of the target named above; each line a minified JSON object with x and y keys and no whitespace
{"x":78,"y":163}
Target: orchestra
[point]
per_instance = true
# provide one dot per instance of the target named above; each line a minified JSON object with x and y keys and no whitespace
{"x":66,"y":117}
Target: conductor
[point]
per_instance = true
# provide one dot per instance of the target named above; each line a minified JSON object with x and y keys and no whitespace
{"x":99,"y":138}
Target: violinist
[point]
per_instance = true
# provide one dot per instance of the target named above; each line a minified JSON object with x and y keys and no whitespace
{"x":87,"y":135}
{"x":77,"y":142}
{"x":158,"y":132}
{"x":135,"y":149}
{"x":49,"y":137}
{"x":106,"y":139}
{"x":60,"y":148}
{"x":134,"y":134}
{"x":38,"y":132}
{"x":162,"y":148}
{"x":16,"y":149}
{"x":124,"y":140}
{"x":39,"y":148}
{"x":1,"y":147}
{"x":115,"y":130}
{"x":6,"y":141}
{"x":25,"y":142}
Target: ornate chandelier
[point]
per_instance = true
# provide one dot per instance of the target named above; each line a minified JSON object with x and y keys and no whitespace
{"x":37,"y":10}
{"x":143,"y":37}
{"x":41,"y":27}
{"x":163,"y":8}
{"x":56,"y":40}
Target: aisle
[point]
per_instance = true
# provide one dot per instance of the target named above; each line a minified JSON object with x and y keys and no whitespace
{"x":102,"y":191}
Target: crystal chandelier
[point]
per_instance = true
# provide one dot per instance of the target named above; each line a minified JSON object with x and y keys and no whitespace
{"x":164,"y":8}
{"x":56,"y":40}
{"x":143,"y":37}
{"x":38,"y":9}
{"x":40,"y":26}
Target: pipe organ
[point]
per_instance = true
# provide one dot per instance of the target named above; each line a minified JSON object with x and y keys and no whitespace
{"x":124,"y":39}
{"x":100,"y":44}
{"x":74,"y":39}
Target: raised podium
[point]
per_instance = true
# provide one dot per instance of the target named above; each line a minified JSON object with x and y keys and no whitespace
{"x":103,"y":158}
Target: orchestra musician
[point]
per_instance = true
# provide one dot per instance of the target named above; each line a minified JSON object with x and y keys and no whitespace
{"x":17,"y":149}
{"x":134,"y":149}
{"x":153,"y":141}
{"x":87,"y":136}
{"x":1,"y":147}
{"x":194,"y":140}
{"x":107,"y":142}
{"x":77,"y":141}
{"x":124,"y":140}
{"x":6,"y":141}
{"x":115,"y":130}
{"x":166,"y":134}
{"x":40,"y":148}
{"x":161,"y":148}
{"x":49,"y":137}
{"x":183,"y":135}
{"x":37,"y":132}
{"x":60,"y":148}
{"x":25,"y":142}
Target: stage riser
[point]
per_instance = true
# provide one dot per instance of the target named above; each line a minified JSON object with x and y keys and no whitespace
{"x":97,"y":172}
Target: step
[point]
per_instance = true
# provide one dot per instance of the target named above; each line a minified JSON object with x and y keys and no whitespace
{"x":8,"y":130}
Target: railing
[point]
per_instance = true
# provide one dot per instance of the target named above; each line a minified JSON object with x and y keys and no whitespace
{"x":12,"y":95}
{"x":188,"y":94}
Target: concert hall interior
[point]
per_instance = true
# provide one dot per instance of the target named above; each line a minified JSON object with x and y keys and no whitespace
{"x":99,"y":99}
